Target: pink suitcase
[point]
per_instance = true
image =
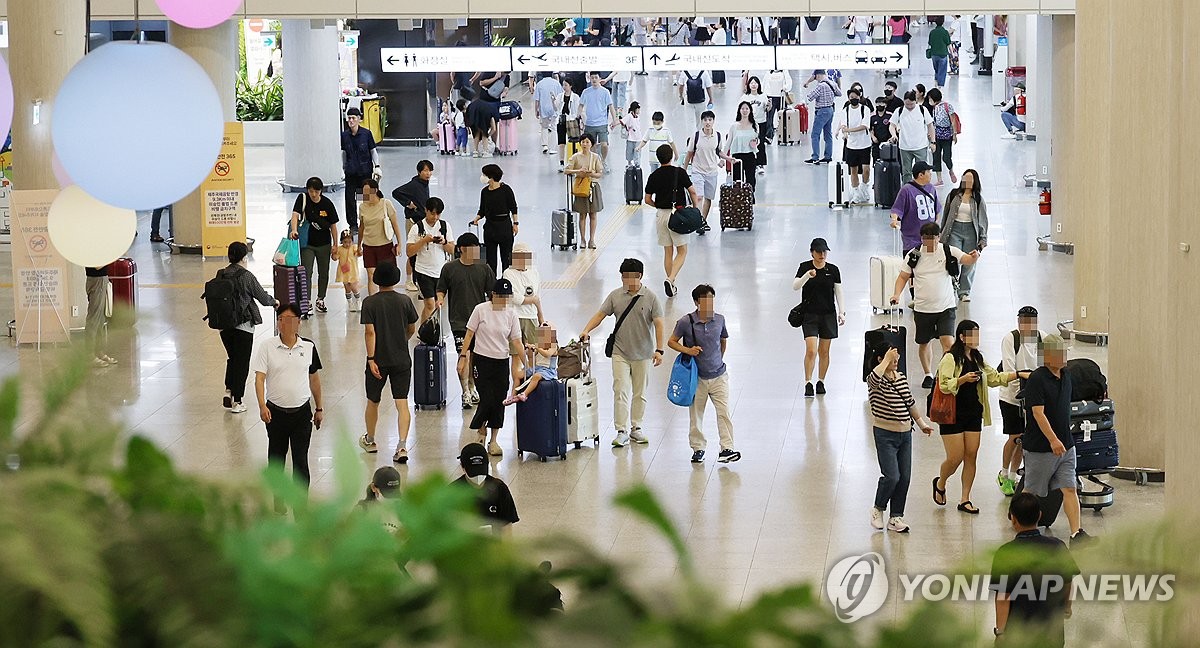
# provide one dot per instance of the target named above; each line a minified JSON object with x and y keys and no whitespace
{"x":506,"y":137}
{"x":445,"y":139}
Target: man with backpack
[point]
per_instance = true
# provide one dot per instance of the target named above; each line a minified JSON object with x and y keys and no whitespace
{"x":695,"y":91}
{"x":666,"y":189}
{"x":431,"y":244}
{"x":933,"y":268}
{"x":1020,"y":351}
{"x":229,"y":298}
{"x":855,"y":126}
{"x":703,"y":163}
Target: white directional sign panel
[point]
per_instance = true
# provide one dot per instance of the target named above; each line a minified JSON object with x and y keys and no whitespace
{"x":576,"y":59}
{"x":445,"y":59}
{"x":842,"y":57}
{"x":675,"y":59}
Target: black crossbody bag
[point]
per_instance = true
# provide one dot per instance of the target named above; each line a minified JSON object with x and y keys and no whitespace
{"x":612,"y":337}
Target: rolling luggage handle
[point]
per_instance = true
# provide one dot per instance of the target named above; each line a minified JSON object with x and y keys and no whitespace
{"x":894,"y":310}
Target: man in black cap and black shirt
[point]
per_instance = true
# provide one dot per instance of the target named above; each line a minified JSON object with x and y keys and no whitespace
{"x":493,"y":499}
{"x":824,"y":311}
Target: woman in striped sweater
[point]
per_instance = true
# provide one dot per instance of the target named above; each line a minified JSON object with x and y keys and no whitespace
{"x":893,"y":412}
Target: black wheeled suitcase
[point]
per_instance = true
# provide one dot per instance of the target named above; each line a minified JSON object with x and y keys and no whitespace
{"x":892,"y":335}
{"x":1051,"y":504}
{"x":542,"y":421}
{"x":887,"y":182}
{"x":635,"y":188}
{"x":291,"y":287}
{"x":429,"y":376}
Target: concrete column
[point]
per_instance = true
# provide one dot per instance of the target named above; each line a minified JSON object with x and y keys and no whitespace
{"x":1091,"y":164}
{"x":1039,"y":81}
{"x":1143,"y":339}
{"x":1059,"y":145}
{"x":216,"y":50}
{"x":311,"y":112}
{"x":1177,"y":397}
{"x":46,"y":39}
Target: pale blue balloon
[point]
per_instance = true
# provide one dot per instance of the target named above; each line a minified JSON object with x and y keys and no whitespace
{"x":137,"y":125}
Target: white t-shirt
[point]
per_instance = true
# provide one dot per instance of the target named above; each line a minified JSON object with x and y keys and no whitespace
{"x":914,"y":127}
{"x":720,"y":37}
{"x":526,"y":283}
{"x":706,"y":161}
{"x":633,"y":127}
{"x":459,"y":120}
{"x":854,"y":117}
{"x":777,"y":82}
{"x":622,"y":76}
{"x":933,"y":288}
{"x":1022,"y":358}
{"x":748,"y":33}
{"x":862,"y":23}
{"x":431,"y":257}
{"x":758,"y":106}
{"x":493,"y":330}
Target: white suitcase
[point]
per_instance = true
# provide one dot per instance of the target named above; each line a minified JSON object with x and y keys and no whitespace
{"x":839,"y":184}
{"x":583,"y":415}
{"x":883,"y":272}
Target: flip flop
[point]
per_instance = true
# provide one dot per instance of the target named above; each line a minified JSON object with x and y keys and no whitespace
{"x":938,"y":491}
{"x":968,"y":507}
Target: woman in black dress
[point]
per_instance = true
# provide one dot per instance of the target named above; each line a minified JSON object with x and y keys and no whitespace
{"x":498,"y":210}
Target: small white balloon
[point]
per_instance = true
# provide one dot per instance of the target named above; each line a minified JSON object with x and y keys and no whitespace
{"x":137,"y":125}
{"x":88,"y":232}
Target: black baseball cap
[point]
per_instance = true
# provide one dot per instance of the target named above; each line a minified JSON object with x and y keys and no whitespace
{"x":474,"y":459}
{"x":387,"y":480}
{"x":920,"y":166}
{"x":1027,"y":311}
{"x":503,"y":287}
{"x":354,"y":112}
{"x":819,"y":245}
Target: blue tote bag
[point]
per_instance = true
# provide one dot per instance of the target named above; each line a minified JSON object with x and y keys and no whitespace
{"x":685,"y":376}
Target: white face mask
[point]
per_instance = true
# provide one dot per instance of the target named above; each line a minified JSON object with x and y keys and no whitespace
{"x":478,"y":479}
{"x":484,"y":179}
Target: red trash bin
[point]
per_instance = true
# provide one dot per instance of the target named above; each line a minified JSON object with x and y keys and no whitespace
{"x":122,"y":274}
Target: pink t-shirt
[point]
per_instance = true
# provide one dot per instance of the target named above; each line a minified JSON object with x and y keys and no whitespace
{"x":898,"y":26}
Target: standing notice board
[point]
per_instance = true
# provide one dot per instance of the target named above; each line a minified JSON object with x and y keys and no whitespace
{"x":40,"y":273}
{"x":223,"y":194}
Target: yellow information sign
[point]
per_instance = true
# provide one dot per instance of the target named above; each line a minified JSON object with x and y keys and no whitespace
{"x":223,"y":194}
{"x":41,"y":275}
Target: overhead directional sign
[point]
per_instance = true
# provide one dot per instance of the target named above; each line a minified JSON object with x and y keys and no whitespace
{"x":577,"y":59}
{"x":445,"y":59}
{"x":675,"y":59}
{"x":842,"y":57}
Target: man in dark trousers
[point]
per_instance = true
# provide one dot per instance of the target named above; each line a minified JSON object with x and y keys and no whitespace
{"x":1031,"y":576}
{"x":360,"y":160}
{"x":289,"y":392}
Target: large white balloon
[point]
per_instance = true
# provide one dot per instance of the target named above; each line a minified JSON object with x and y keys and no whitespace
{"x":137,"y":125}
{"x":88,"y":232}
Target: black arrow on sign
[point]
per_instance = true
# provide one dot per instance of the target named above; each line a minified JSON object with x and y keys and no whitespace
{"x":898,"y":57}
{"x":654,"y":58}
{"x":522,"y":58}
{"x":392,"y":60}
{"x":674,"y":57}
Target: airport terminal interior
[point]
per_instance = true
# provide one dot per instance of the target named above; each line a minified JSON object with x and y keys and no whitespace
{"x":799,"y":499}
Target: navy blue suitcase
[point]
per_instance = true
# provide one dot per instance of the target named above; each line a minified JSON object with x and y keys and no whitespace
{"x":1096,"y":452}
{"x":429,"y":376}
{"x":542,"y":421}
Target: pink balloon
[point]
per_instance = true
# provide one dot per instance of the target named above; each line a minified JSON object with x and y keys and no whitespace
{"x":6,"y":100}
{"x":199,"y":14}
{"x":60,"y":174}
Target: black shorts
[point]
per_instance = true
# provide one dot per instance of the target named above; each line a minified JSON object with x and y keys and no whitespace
{"x":399,"y":377}
{"x":426,"y":284}
{"x":459,"y":337}
{"x":824,"y":327}
{"x":1014,"y":418}
{"x":787,"y":28}
{"x":962,"y":424}
{"x":857,"y":157}
{"x":934,"y":325}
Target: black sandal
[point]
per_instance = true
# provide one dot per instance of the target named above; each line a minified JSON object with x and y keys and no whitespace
{"x":968,"y":507}
{"x":938,"y":491}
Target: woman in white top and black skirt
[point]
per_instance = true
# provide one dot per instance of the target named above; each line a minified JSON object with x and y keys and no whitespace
{"x":493,"y":345}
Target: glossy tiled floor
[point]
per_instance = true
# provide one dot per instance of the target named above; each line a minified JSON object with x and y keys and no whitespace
{"x":798,"y":500}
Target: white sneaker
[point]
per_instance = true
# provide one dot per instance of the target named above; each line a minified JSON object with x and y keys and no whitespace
{"x":638,"y":437}
{"x":410,"y":286}
{"x":621,"y":440}
{"x":877,"y":518}
{"x":237,"y":408}
{"x":897,"y":525}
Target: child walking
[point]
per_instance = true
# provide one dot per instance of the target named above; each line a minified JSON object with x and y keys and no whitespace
{"x":347,"y":272}
{"x":542,"y":362}
{"x":460,"y":128}
{"x":632,"y":122}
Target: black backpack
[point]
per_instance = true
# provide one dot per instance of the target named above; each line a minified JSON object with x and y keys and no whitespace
{"x":442,"y":223}
{"x":952,"y":266}
{"x":695,"y":88}
{"x":218,"y":296}
{"x":1088,"y":383}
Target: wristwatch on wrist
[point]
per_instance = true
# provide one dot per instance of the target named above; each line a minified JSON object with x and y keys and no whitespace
{"x":320,"y":410}
{"x":658,"y":351}
{"x":370,"y":357}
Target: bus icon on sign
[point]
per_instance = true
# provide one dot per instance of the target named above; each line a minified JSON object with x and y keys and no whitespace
{"x":860,"y":56}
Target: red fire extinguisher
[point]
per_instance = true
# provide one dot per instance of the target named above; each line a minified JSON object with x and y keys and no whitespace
{"x":1044,"y":203}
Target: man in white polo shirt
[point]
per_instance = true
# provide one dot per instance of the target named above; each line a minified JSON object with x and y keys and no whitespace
{"x":912,"y":129}
{"x":704,"y":163}
{"x":289,"y":391}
